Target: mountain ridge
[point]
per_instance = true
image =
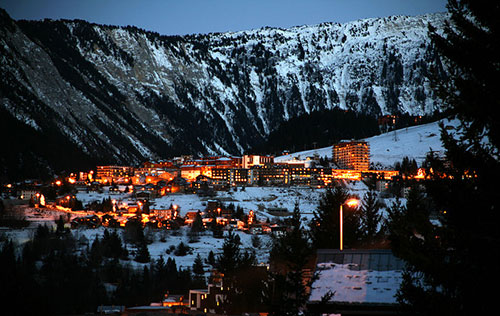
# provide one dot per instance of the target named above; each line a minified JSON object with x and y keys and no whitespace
{"x":124,"y":95}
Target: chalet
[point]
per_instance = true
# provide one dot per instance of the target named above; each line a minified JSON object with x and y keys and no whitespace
{"x":222,"y":221}
{"x":215,"y":208}
{"x":278,"y":230}
{"x":91,"y":221}
{"x":226,"y":213}
{"x":207,"y":221}
{"x":164,"y":213}
{"x":162,"y":183}
{"x":266,"y":229}
{"x":144,"y":195}
{"x":114,"y":189}
{"x":162,"y":188}
{"x":133,"y":208}
{"x":109,"y":221}
{"x":175,"y":301}
{"x":169,"y":224}
{"x":190,"y":216}
{"x":177,"y":185}
{"x":255,"y":229}
{"x":387,"y":120}
{"x":198,"y":300}
{"x":28,"y":194}
{"x":202,"y":183}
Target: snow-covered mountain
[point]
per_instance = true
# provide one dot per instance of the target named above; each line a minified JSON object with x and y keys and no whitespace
{"x":123,"y":95}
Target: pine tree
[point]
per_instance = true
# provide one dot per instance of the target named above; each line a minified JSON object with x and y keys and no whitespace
{"x":182,"y":249}
{"x":172,"y":274}
{"x":198,"y":273}
{"x":325,"y":225}
{"x":211,"y":258}
{"x":143,"y":255}
{"x":95,"y":254}
{"x":289,"y":256}
{"x":371,"y":219}
{"x":112,"y":245}
{"x":229,"y":259}
{"x":60,"y":230}
{"x":256,"y":242}
{"x":447,"y":270}
{"x":236,"y":266}
{"x":197,"y":226}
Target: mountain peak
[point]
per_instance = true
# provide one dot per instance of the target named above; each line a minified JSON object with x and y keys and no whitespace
{"x":122,"y":94}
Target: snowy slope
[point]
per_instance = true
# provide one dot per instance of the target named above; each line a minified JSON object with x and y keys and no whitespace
{"x":388,"y":148}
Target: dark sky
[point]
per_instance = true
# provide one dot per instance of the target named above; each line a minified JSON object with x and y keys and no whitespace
{"x":179,"y":17}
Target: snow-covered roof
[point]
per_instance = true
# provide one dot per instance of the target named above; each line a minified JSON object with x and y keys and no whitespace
{"x":357,"y":276}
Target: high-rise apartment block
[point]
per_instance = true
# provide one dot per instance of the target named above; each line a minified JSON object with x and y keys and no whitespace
{"x":352,"y":155}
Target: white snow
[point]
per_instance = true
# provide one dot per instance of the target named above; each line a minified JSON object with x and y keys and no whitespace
{"x":364,"y":286}
{"x":388,"y":148}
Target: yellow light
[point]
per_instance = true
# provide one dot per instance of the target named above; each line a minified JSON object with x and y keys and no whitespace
{"x":352,"y":202}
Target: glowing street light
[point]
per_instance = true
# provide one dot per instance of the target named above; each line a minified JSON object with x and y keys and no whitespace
{"x":350,"y":203}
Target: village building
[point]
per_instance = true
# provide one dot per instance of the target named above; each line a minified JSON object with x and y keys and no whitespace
{"x":111,"y":173}
{"x":352,"y":155}
{"x":249,"y":161}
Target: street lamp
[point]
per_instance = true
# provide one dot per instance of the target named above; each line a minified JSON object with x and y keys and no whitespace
{"x":350,"y":203}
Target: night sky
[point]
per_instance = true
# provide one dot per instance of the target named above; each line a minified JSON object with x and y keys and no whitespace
{"x":179,"y":17}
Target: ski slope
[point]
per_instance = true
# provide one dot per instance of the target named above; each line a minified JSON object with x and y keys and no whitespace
{"x":386,"y":149}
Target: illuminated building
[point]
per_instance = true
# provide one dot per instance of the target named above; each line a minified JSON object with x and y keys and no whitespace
{"x":190,"y":172}
{"x":249,"y":161}
{"x":352,"y":155}
{"x":114,"y":173}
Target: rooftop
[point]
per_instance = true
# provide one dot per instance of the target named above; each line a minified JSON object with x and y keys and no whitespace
{"x":357,"y":277}
{"x":366,"y":259}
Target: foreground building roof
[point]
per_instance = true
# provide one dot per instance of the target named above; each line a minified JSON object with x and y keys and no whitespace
{"x":359,"y":280}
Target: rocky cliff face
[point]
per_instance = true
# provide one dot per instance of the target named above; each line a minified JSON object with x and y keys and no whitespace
{"x":124,"y":95}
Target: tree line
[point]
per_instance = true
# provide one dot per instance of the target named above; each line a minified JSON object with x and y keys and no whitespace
{"x":53,"y":274}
